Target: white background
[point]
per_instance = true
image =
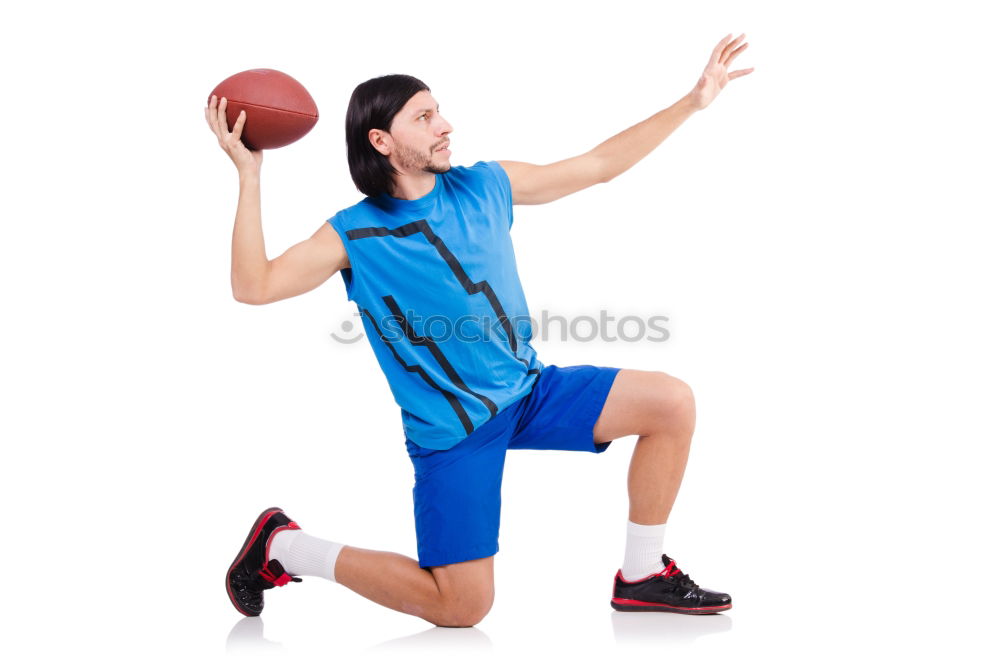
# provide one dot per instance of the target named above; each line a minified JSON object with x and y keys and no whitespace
{"x":822,"y":238}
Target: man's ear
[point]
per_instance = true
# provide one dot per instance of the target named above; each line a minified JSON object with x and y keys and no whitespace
{"x":380,"y":140}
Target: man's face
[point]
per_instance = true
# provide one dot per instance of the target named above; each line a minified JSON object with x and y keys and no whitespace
{"x":418,"y":137}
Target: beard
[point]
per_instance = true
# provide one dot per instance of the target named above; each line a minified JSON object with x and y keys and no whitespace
{"x":412,"y":159}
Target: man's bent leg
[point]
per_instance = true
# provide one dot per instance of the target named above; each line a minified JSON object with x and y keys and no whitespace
{"x":454,"y":595}
{"x":660,"y":409}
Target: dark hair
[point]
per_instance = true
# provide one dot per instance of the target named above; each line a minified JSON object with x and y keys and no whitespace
{"x":373,"y":105}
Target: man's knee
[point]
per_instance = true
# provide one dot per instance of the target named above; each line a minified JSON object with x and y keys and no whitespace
{"x":674,"y":401}
{"x":466,"y":592}
{"x":465,"y":610}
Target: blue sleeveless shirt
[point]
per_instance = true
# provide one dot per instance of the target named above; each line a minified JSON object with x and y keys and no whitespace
{"x":436,"y":285}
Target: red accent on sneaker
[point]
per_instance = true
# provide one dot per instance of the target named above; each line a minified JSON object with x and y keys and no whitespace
{"x":258,"y":526}
{"x":281,"y":580}
{"x":627,"y":601}
{"x":668,"y":571}
{"x":251,"y":537}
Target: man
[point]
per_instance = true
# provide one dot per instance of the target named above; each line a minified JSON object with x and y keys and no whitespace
{"x":430,"y":239}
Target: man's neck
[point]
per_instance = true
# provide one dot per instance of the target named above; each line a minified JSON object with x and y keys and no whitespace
{"x":411,"y":187}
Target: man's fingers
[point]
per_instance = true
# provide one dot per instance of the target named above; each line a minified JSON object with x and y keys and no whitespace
{"x":210,"y":116}
{"x":214,"y":115}
{"x":727,"y":51}
{"x":718,"y":49}
{"x":211,"y":124}
{"x":221,"y":117}
{"x":734,"y":54}
{"x":238,"y":126}
{"x":741,"y":72}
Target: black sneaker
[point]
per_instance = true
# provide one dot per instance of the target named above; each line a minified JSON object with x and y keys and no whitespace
{"x":667,"y":590}
{"x":251,"y":574}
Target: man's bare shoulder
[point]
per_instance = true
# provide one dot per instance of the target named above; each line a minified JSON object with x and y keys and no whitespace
{"x":329,"y":241}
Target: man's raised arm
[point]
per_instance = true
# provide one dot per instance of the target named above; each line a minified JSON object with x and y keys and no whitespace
{"x":255,"y":279}
{"x":537,"y":184}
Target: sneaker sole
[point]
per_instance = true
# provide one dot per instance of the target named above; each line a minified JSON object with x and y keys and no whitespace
{"x":251,"y":539}
{"x":624,"y":604}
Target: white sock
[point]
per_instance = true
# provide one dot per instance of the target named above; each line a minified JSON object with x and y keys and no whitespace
{"x":301,"y":554}
{"x":643,"y":547}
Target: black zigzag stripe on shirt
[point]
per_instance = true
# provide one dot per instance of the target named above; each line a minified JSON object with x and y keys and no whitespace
{"x":450,"y":397}
{"x":424,"y":341}
{"x":482,"y":287}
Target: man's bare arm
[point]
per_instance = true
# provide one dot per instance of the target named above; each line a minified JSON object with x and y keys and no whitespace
{"x":537,"y":184}
{"x":303,"y":267}
{"x":254,"y":278}
{"x":532,"y":184}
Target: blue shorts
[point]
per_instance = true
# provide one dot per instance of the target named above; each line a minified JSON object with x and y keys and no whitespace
{"x":456,"y":492}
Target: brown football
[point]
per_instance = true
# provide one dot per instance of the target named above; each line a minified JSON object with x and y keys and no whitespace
{"x":279,"y":109}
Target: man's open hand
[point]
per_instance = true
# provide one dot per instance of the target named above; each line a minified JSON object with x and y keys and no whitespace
{"x":716,"y":74}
